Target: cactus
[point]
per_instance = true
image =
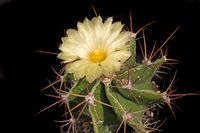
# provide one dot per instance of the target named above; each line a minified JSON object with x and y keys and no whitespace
{"x":104,"y":84}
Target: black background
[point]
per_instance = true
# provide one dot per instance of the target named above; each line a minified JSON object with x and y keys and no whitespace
{"x":31,"y":25}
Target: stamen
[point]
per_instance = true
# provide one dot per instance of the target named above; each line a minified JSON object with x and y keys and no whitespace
{"x":97,"y":55}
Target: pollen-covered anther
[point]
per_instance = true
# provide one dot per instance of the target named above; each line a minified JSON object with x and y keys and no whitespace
{"x":90,"y":98}
{"x":97,"y":56}
{"x":127,"y":116}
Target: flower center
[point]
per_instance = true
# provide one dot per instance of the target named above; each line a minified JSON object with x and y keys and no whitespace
{"x":97,"y":55}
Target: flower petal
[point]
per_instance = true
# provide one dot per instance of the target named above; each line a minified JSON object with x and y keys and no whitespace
{"x":93,"y":72}
{"x":78,"y":68}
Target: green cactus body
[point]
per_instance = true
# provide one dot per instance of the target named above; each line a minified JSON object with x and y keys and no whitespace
{"x":138,"y":85}
{"x":119,"y":98}
{"x":100,"y":112}
{"x":122,"y":105}
{"x":130,"y":92}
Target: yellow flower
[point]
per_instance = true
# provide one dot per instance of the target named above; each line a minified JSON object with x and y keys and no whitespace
{"x":96,"y":48}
